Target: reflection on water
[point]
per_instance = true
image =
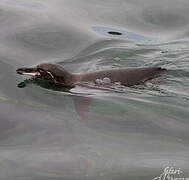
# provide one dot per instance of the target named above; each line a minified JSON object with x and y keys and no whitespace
{"x":123,"y":34}
{"x":89,"y":133}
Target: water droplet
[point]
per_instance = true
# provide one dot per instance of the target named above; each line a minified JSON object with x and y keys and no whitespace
{"x":106,"y":80}
{"x":98,"y":81}
{"x":117,"y":59}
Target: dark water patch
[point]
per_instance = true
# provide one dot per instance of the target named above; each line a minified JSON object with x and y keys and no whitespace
{"x":43,"y":84}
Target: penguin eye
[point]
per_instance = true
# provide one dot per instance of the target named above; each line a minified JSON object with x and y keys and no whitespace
{"x":42,"y":71}
{"x":46,"y":74}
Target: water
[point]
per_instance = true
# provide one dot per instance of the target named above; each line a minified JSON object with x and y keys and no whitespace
{"x":48,"y":134}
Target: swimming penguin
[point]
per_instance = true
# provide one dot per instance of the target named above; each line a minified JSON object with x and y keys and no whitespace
{"x":58,"y":75}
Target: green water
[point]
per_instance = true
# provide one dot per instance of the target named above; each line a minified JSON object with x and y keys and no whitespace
{"x":47,"y":133}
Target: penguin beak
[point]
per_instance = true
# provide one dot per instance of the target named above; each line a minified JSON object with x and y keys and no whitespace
{"x":28,"y":71}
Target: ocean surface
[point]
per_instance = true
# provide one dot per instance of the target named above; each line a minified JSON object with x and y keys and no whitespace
{"x":90,"y":133}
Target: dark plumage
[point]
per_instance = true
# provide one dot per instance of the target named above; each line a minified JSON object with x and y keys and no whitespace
{"x":126,"y":76}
